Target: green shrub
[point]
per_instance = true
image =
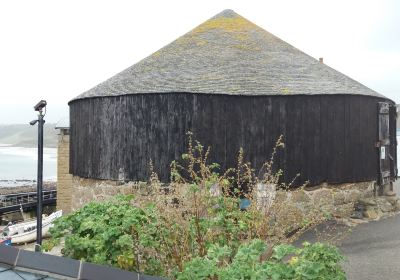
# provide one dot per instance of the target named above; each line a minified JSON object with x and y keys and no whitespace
{"x":317,"y":261}
{"x":193,"y":228}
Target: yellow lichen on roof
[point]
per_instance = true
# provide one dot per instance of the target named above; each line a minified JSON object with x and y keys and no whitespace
{"x":157,"y":53}
{"x":247,"y":47}
{"x":285,"y":91}
{"x":227,"y":24}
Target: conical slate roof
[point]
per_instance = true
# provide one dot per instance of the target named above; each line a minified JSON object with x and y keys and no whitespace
{"x":228,"y":54}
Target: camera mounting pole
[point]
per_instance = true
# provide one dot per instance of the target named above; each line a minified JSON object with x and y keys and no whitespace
{"x":39,"y":196}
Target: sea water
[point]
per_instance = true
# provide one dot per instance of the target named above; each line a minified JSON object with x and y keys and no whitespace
{"x":18,"y":165}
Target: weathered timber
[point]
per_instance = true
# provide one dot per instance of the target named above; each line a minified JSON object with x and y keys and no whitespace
{"x":327,"y":138}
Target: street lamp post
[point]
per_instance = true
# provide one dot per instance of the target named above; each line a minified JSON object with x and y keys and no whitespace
{"x":39,"y":108}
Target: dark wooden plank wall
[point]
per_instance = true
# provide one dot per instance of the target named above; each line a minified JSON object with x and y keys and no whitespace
{"x":327,"y":138}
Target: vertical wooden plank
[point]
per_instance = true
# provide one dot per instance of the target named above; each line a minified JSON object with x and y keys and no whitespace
{"x":325,"y":146}
{"x":349,"y":141}
{"x":305,"y":137}
{"x":367,"y":150}
{"x":176,"y":128}
{"x":267,"y":127}
{"x":309,"y":135}
{"x":275,"y":130}
{"x":233,"y":130}
{"x":371,"y":139}
{"x":359,"y":134}
{"x":162,"y":163}
{"x":217,"y":131}
{"x":376,"y":127}
{"x":282,"y":131}
{"x":247,"y":124}
{"x":135,"y":136}
{"x":316,"y":176}
{"x":295,"y":148}
{"x":337,"y":139}
{"x":258,"y":120}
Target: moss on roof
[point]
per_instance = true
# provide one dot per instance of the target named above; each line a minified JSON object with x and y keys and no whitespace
{"x":228,"y":54}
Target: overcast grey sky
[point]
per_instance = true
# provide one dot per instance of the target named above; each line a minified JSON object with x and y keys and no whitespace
{"x":55,"y":50}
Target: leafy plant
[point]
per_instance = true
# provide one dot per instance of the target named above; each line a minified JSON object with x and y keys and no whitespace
{"x":101,"y":232}
{"x":317,"y":261}
{"x":194,"y":228}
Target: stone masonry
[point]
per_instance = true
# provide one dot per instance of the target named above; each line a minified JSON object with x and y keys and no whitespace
{"x":333,"y":200}
{"x":87,"y":190}
{"x":64,"y":179}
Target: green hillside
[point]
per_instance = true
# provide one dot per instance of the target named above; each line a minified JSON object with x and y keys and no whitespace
{"x":25,"y":135}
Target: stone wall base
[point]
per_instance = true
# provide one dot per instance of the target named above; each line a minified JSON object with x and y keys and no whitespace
{"x":333,"y":200}
{"x":325,"y":201}
{"x":87,"y":190}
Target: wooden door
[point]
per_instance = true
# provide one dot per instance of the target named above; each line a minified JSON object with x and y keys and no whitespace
{"x":393,"y":141}
{"x":384,"y":143}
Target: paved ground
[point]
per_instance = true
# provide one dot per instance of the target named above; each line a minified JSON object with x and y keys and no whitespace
{"x":372,"y":250}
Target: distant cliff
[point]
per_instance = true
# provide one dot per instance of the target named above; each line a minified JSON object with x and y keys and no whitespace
{"x":25,"y":135}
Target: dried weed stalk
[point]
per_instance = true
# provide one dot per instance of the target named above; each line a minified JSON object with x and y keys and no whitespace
{"x":201,"y":207}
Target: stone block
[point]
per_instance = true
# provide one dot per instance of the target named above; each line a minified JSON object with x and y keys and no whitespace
{"x":290,"y":217}
{"x":371,"y":213}
{"x":338,"y":198}
{"x":357,"y":215}
{"x":368,"y":193}
{"x":367,"y":202}
{"x":343,"y":210}
{"x":127,"y":190}
{"x":300,"y":196}
{"x":281,"y":197}
{"x":323,"y":197}
{"x":390,"y":193}
{"x":97,"y":190}
{"x":385,"y":206}
{"x":352,"y":196}
{"x":111,"y":191}
{"x":392,"y":200}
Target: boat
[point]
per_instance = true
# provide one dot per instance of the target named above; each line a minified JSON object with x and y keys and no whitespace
{"x":25,"y":232}
{"x":6,"y":241}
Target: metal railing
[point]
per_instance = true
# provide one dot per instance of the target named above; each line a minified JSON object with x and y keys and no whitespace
{"x":12,"y":202}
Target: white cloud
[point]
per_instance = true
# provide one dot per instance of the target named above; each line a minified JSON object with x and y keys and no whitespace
{"x":55,"y":50}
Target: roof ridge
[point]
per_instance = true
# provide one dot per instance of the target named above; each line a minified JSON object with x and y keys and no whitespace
{"x":226,"y":13}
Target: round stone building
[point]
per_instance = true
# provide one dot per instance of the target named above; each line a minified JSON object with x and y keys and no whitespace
{"x":233,"y":85}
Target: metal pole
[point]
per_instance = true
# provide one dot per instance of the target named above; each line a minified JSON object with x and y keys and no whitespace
{"x":39,"y":195}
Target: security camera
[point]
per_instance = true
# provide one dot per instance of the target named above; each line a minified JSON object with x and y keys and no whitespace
{"x":40,"y":105}
{"x":33,"y":122}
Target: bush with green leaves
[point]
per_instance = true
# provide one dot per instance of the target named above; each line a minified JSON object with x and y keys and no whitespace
{"x":313,"y":261}
{"x":100,"y":232}
{"x":193,"y":228}
{"x":118,"y":233}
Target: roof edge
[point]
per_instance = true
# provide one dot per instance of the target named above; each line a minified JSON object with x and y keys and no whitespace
{"x":380,"y":96}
